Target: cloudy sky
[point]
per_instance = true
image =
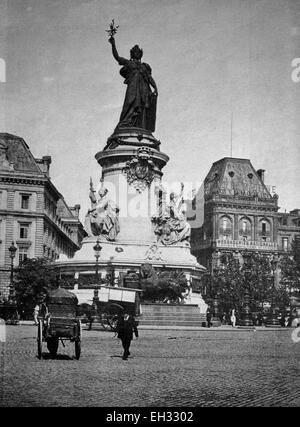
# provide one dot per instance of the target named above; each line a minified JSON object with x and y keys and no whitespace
{"x":211,"y":60}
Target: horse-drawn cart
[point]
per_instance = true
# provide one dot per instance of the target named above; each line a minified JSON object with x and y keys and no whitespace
{"x":109,"y":302}
{"x":58,"y":322}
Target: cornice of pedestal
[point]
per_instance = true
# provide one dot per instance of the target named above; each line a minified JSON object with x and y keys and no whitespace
{"x":123,"y":153}
{"x":135,"y":137}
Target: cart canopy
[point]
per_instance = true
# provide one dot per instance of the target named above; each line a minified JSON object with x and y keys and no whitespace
{"x":62,"y":296}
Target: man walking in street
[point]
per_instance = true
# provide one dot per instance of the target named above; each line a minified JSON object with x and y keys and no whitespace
{"x":126,"y":326}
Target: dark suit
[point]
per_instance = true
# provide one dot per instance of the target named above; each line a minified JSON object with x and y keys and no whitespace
{"x":125,"y":330}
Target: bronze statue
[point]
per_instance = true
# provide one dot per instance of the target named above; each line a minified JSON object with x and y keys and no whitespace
{"x":139,"y":108}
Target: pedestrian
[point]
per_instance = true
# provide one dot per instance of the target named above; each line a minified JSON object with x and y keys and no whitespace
{"x":92,"y":315}
{"x":126,"y":326}
{"x":224,"y":317}
{"x":208,"y":318}
{"x":233,"y":318}
{"x":36,"y":313}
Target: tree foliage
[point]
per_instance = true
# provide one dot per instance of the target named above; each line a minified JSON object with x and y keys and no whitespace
{"x":231,"y":278}
{"x":290,"y":270}
{"x":33,"y":280}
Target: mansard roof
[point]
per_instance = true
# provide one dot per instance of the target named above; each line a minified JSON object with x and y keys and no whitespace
{"x":236,"y":178}
{"x":63,"y":210}
{"x":18,"y":155}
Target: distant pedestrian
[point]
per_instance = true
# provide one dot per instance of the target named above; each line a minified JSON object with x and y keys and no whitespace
{"x":233,"y":318}
{"x":208,"y":318}
{"x":92,"y":315}
{"x":126,"y":326}
{"x":36,"y":311}
{"x":224,"y":318}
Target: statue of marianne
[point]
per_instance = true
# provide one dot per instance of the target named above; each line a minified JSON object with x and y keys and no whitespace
{"x":139,"y":108}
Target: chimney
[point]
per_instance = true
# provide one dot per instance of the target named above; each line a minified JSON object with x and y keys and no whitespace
{"x":261,"y":174}
{"x":75,"y":210}
{"x":44,"y":163}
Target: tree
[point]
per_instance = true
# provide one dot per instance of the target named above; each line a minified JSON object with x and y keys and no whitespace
{"x":33,"y":280}
{"x":230,"y":278}
{"x":227,"y":283}
{"x":290,"y":270}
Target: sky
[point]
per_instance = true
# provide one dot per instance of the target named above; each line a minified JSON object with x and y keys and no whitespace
{"x":223,"y":70}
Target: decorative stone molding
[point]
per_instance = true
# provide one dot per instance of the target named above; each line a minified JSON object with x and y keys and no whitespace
{"x":140,"y":169}
{"x":153,"y":253}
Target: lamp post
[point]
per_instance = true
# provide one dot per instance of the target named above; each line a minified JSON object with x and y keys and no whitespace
{"x":273,"y":319}
{"x":246,"y":320}
{"x":12,"y":253}
{"x":97,"y":249}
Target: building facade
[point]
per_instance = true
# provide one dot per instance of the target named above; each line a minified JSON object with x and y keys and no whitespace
{"x":33,"y":214}
{"x":240,"y":214}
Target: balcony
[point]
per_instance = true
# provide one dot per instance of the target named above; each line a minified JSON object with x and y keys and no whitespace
{"x":246,"y":244}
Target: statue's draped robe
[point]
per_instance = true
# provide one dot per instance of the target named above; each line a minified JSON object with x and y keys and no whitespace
{"x":139,"y":108}
{"x":103,"y":218}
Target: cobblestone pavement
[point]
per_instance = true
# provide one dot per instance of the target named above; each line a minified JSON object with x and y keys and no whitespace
{"x":166,"y":368}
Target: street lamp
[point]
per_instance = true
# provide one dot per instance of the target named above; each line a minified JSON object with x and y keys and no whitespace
{"x":12,"y":253}
{"x":273,"y":319}
{"x":97,"y":249}
{"x":246,"y":320}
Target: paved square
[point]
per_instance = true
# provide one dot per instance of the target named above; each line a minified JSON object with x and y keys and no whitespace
{"x":167,"y":368}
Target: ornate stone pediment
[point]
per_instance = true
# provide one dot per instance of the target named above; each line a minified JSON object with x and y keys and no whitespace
{"x":140,"y":169}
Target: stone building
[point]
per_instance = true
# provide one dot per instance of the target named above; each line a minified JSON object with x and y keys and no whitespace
{"x":33,"y":214}
{"x":288,"y":229}
{"x":240,"y":214}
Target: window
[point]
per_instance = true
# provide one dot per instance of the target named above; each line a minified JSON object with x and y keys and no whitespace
{"x":23,"y":255}
{"x":263,"y":227}
{"x":24,"y":231}
{"x":285,"y":242}
{"x":25,"y":201}
{"x":284,"y":221}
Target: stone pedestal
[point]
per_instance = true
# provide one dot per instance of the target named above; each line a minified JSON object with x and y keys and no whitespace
{"x":132,"y":166}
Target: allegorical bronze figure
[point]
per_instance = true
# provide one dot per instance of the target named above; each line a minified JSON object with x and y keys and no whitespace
{"x":139,"y":108}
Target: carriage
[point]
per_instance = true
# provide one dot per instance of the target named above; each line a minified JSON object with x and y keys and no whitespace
{"x":110,"y":301}
{"x":59,"y":322}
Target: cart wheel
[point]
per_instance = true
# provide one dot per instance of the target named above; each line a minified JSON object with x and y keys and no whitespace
{"x":111,"y":315}
{"x":40,"y":340}
{"x":104,"y":321}
{"x":112,"y":320}
{"x":52,"y":345}
{"x":78,"y":340}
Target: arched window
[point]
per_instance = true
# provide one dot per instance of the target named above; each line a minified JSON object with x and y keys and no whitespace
{"x":225,"y":228}
{"x":245,"y":229}
{"x":264,"y":230}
